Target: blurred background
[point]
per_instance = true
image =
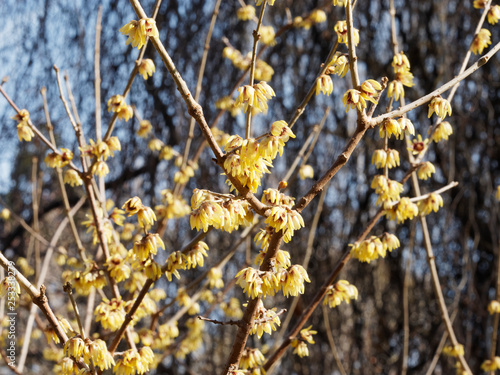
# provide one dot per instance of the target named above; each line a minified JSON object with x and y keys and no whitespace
{"x":369,"y":333}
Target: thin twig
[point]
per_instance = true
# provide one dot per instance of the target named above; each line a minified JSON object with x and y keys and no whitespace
{"x":331,"y":341}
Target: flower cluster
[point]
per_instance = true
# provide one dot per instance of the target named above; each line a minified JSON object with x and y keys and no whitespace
{"x":263,"y":71}
{"x":441,"y":106}
{"x":481,"y":41}
{"x":145,"y":215}
{"x":316,"y":16}
{"x":134,"y":361}
{"x":388,"y":190}
{"x":255,"y":96}
{"x":246,"y":13}
{"x":443,"y":131}
{"x":285,"y":219}
{"x":248,"y":159}
{"x":404,"y":77}
{"x":117,"y":104}
{"x":138,"y":31}
{"x":374,"y":247}
{"x":146,"y":68}
{"x":339,"y":65}
{"x":385,"y":158}
{"x":24,"y":130}
{"x":454,"y":351}
{"x":221,"y":212}
{"x":265,"y":320}
{"x":111,"y":313}
{"x":354,"y":99}
{"x":228,"y":104}
{"x":83,"y":281}
{"x":173,"y":206}
{"x":251,"y":358}
{"x":491,"y":365}
{"x":432,"y":203}
{"x":97,"y":352}
{"x":342,"y":291}
{"x":300,"y":343}
{"x":59,"y":159}
{"x":402,"y":210}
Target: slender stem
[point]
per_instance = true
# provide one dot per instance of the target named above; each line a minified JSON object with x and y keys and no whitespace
{"x":331,"y":341}
{"x":68,"y":289}
{"x":256,"y":37}
{"x":200,"y":79}
{"x":353,"y":60}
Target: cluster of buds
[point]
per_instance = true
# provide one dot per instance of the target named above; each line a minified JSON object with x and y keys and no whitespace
{"x":263,"y":71}
{"x":138,"y":31}
{"x":251,"y":358}
{"x":173,"y":206}
{"x":374,"y":247}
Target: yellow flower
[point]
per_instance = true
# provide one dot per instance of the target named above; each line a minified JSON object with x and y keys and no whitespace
{"x":251,"y":358}
{"x":146,"y":217}
{"x":342,"y":35}
{"x":306,"y":171}
{"x":324,"y":84}
{"x":100,"y":168}
{"x":494,"y":307}
{"x":301,"y":348}
{"x":5,"y":214}
{"x":72,"y":178}
{"x":249,"y":279}
{"x":74,"y":347}
{"x":116,"y":103}
{"x":432,"y":203}
{"x":195,"y":256}
{"x":59,"y":160}
{"x":207,"y":214}
{"x":97,"y":351}
{"x":265,"y":320}
{"x":113,"y":145}
{"x":426,"y":170}
{"x":22,"y":116}
{"x":418,"y":145}
{"x":481,"y":41}
{"x":370,"y":89}
{"x":148,"y":245}
{"x":117,"y":267}
{"x":342,"y":291}
{"x":389,"y":241}
{"x":293,"y":282}
{"x":147,"y":68}
{"x":246,"y":13}
{"x":215,"y":278}
{"x":395,"y":90}
{"x":390,"y":127}
{"x":9,"y":285}
{"x":125,"y":113}
{"x":285,"y":219}
{"x":491,"y":365}
{"x":454,"y":351}
{"x":137,"y":31}
{"x":353,"y":99}
{"x":24,"y":131}
{"x":267,"y":35}
{"x":368,"y":250}
{"x":405,"y":209}
{"x":443,"y":131}
{"x":155,"y":144}
{"x":494,"y":14}
{"x":132,"y":206}
{"x":339,"y":65}
{"x":145,"y":128}
{"x":406,"y":126}
{"x":480,"y":4}
{"x":400,"y":62}
{"x":392,"y":158}
{"x":440,"y":106}
{"x":111,"y":313}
